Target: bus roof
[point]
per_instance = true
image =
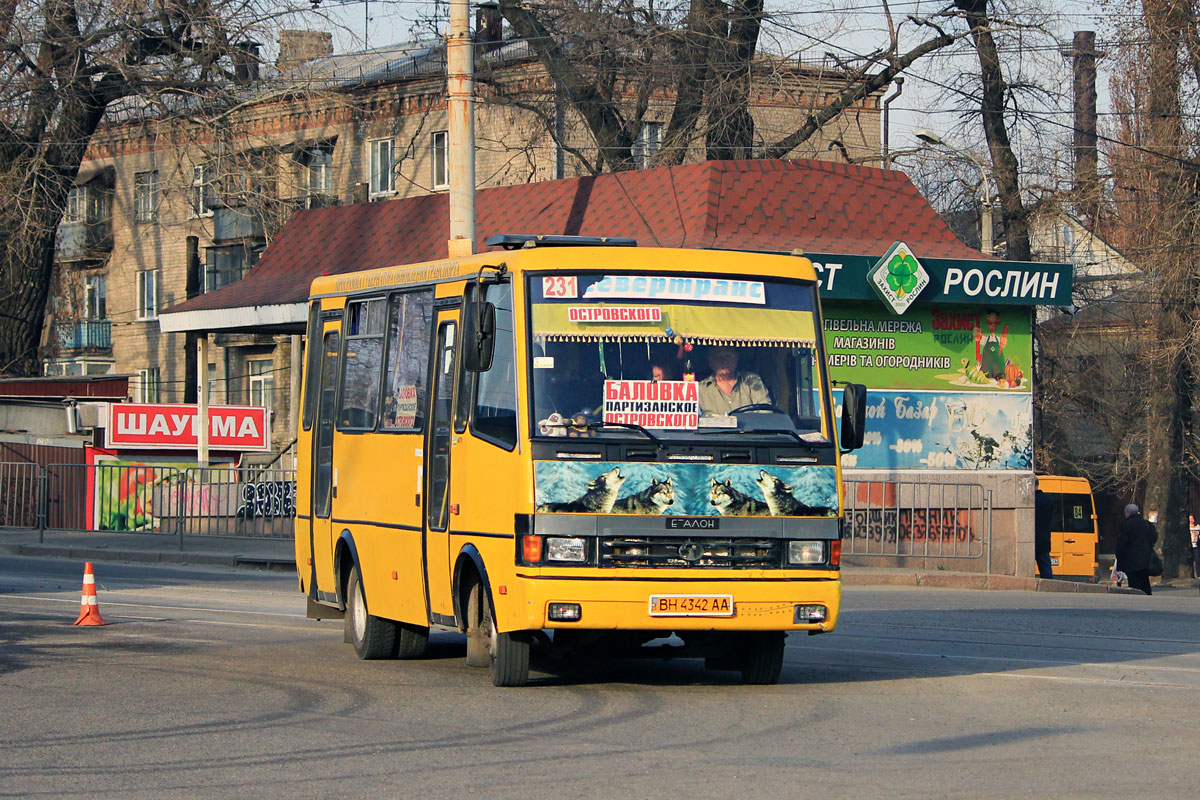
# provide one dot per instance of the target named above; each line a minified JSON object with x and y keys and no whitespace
{"x":570,"y":259}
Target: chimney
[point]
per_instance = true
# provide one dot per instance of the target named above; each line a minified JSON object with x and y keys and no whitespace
{"x":1087,"y":184}
{"x":489,"y":27}
{"x":245,"y":63}
{"x":296,"y":47}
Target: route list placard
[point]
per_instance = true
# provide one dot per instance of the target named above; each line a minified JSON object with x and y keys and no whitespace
{"x":653,"y":404}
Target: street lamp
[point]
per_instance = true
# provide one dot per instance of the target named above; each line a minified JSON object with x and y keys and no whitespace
{"x":986,"y":245}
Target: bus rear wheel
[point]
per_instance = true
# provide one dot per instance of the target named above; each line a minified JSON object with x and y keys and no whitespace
{"x":412,"y":641}
{"x":372,"y":637}
{"x":761,"y":657}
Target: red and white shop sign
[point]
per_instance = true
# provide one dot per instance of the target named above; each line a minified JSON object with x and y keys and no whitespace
{"x":174,"y":426}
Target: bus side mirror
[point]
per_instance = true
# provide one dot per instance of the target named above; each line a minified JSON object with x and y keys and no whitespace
{"x":854,"y":416}
{"x":479,"y":336}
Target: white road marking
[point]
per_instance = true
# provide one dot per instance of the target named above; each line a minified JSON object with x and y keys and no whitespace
{"x":155,"y":605}
{"x":1035,"y":661}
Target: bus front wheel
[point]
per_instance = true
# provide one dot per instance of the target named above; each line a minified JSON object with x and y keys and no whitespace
{"x":372,"y":637}
{"x":507,"y":654}
{"x":761,"y":657}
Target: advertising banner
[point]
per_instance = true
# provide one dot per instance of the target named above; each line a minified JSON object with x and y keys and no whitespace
{"x":732,"y":490}
{"x":945,"y":430}
{"x":931,"y":347}
{"x":174,"y":426}
{"x":985,"y":281}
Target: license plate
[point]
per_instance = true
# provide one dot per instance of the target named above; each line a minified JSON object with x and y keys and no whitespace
{"x":691,"y":605}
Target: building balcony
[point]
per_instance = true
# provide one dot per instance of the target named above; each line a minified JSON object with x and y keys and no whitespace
{"x":235,"y":223}
{"x":85,"y":336}
{"x":79,"y":241}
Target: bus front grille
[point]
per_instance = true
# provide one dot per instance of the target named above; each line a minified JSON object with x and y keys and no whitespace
{"x":687,"y":552}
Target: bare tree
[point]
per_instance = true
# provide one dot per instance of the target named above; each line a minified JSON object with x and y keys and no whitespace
{"x":65,"y":67}
{"x":609,"y":58}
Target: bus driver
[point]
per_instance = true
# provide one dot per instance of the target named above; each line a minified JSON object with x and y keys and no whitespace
{"x":727,"y":389}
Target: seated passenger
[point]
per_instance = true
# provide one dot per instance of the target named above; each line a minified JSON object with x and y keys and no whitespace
{"x":727,"y":389}
{"x":662,"y":371}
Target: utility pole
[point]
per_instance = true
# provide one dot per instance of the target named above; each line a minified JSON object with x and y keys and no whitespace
{"x":460,"y":158}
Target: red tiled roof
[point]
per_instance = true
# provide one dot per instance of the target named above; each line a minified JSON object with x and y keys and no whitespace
{"x":766,"y":205}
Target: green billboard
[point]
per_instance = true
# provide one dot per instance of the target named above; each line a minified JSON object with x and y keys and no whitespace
{"x":969,"y":348}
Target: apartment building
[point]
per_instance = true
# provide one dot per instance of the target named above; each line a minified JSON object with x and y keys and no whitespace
{"x":166,"y":209}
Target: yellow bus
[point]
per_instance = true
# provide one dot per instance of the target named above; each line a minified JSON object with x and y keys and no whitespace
{"x":1074,"y":531}
{"x":574,"y":444}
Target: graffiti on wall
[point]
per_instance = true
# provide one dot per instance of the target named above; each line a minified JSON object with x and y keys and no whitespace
{"x":267,"y":500}
{"x":893,"y":525}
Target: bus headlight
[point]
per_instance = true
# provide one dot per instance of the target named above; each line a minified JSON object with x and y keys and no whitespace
{"x":806,"y":552}
{"x":562,"y":549}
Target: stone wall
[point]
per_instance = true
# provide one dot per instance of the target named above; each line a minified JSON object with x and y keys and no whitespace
{"x":1004,"y":536}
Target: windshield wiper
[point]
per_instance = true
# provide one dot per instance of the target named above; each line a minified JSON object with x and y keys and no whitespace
{"x":794,"y":435}
{"x":595,"y":426}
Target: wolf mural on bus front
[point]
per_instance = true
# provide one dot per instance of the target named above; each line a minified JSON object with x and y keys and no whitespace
{"x":742,"y":490}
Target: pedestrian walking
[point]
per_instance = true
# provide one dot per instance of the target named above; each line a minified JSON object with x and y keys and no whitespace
{"x":1043,"y":521}
{"x":1135,"y":541}
{"x":1194,"y":530}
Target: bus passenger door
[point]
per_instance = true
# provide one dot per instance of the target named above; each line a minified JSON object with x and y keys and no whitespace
{"x":324,"y":484}
{"x":438,"y":445}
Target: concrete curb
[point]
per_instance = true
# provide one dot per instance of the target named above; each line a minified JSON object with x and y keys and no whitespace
{"x":857,"y":576}
{"x":971,"y":580}
{"x":150,"y":556}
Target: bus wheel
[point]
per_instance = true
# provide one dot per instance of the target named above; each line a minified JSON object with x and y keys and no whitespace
{"x":761,"y":657}
{"x":508,"y":653}
{"x":372,"y":637}
{"x":411,"y":641}
{"x":478,"y":628}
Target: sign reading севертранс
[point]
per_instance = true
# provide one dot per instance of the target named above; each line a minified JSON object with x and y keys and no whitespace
{"x":175,"y":426}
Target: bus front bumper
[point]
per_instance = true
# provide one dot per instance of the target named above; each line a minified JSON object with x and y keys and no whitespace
{"x":782,"y":602}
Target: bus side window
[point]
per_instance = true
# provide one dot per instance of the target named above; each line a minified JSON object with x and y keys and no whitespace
{"x":495,"y":415}
{"x":362,"y":365}
{"x":409,"y":324}
{"x":313,"y":362}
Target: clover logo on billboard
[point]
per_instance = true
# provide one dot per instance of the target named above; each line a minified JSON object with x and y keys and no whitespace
{"x":898,"y":278}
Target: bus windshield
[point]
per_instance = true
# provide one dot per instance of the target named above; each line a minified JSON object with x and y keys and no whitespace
{"x":676,"y":355}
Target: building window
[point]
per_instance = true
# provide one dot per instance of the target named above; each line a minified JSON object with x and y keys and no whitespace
{"x":145,"y":197}
{"x":147,"y":294}
{"x":66,"y":368}
{"x":98,"y":202}
{"x":439,"y":145}
{"x":149,"y":385}
{"x":261,"y":376}
{"x":318,"y":167}
{"x":201,"y":196}
{"x":75,"y":205}
{"x":94,"y":296}
{"x":226,"y":265}
{"x":383,"y":167}
{"x":213,"y":398}
{"x":648,"y":143}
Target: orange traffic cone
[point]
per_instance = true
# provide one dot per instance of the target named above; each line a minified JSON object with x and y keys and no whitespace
{"x":89,"y":609}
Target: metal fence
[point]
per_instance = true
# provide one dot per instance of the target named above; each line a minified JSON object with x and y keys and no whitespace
{"x":220,"y":501}
{"x":915,"y":518}
{"x":18,"y":495}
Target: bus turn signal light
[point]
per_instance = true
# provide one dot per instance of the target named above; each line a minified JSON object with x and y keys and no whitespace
{"x":835,"y":553}
{"x":531,"y":549}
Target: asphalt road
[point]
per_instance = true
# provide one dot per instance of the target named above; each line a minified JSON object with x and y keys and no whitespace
{"x":212,"y":684}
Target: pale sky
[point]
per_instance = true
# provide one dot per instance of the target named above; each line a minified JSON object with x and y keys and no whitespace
{"x":844,"y":28}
